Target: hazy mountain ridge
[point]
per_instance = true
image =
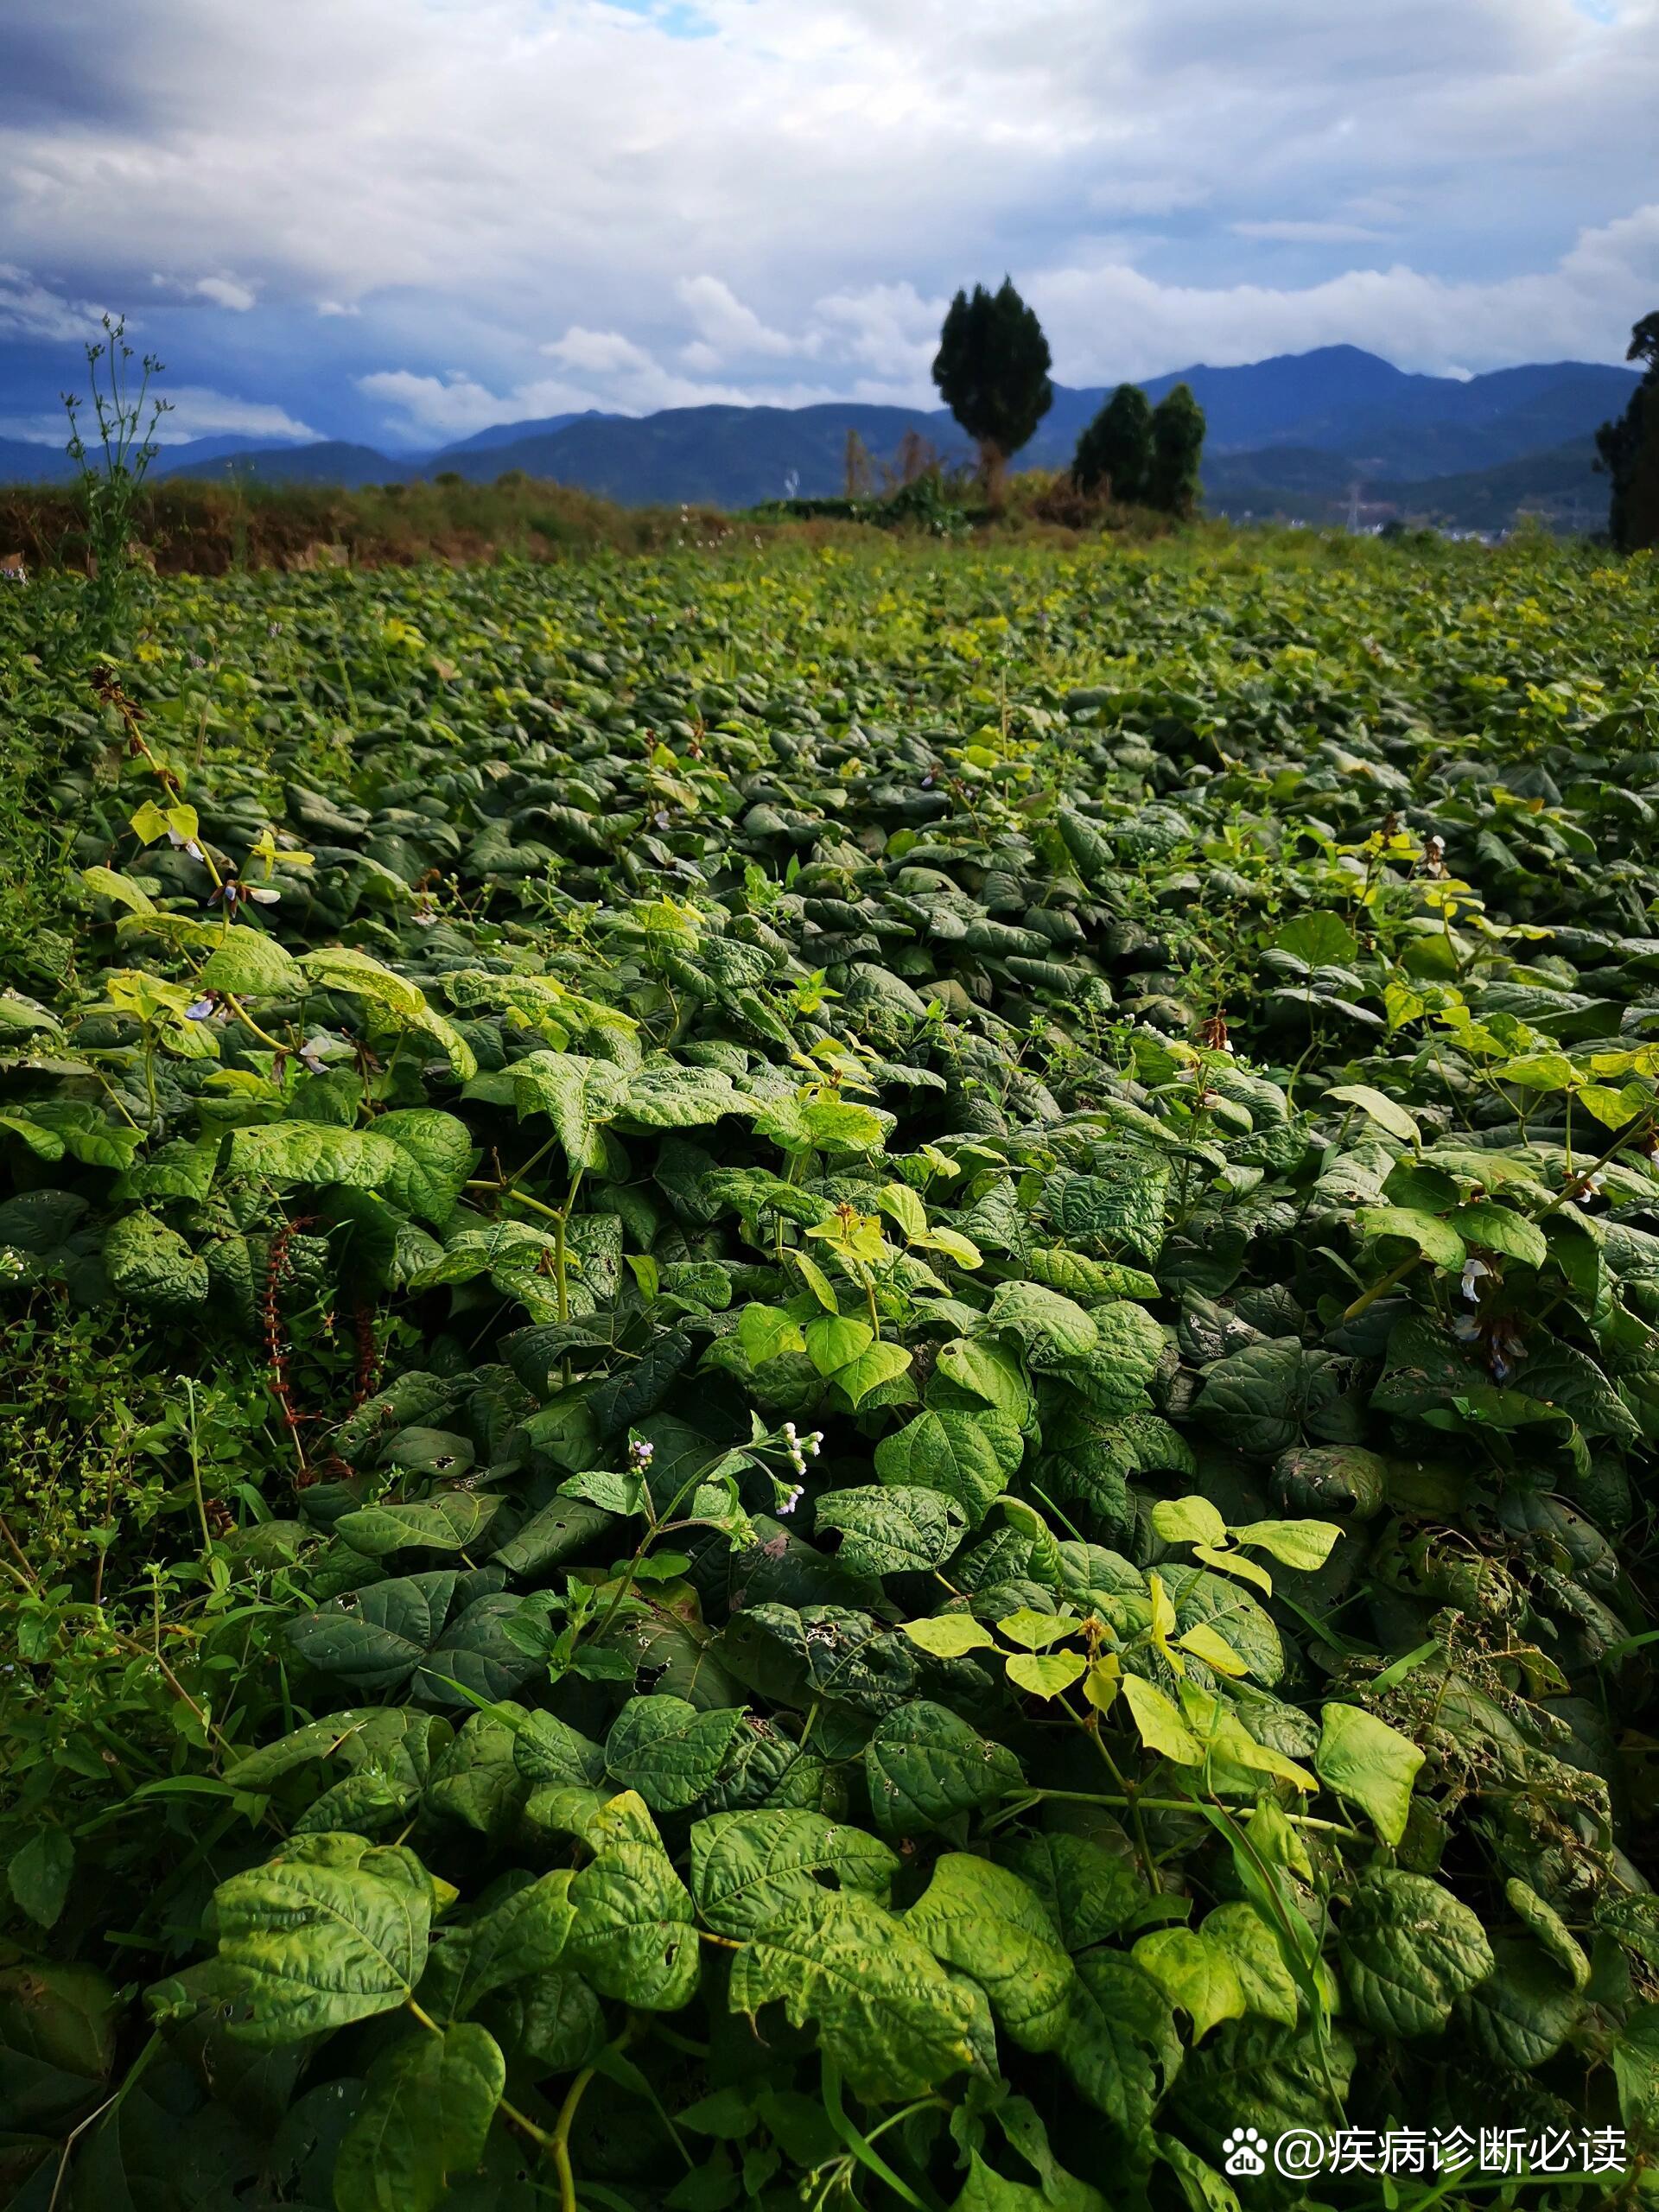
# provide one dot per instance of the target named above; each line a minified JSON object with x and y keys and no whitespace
{"x":1292,"y":435}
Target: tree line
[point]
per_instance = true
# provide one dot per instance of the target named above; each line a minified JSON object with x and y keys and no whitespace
{"x":992,"y":372}
{"x":1630,"y":449}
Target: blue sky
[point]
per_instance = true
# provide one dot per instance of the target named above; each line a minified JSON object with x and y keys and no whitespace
{"x":400,"y":220}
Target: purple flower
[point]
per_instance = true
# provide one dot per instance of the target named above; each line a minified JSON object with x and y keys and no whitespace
{"x":203,"y":1009}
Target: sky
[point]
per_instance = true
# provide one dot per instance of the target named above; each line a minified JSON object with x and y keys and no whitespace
{"x":403,"y":220}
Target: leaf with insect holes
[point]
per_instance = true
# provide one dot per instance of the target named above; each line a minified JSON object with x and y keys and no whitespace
{"x":885,"y":2011}
{"x":925,"y":1766}
{"x":1195,"y":1973}
{"x":668,"y":1750}
{"x":890,"y":1528}
{"x":632,"y":1934}
{"x":750,"y":1870}
{"x":330,"y":1930}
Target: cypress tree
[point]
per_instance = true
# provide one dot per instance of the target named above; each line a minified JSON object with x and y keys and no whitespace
{"x":992,"y":372}
{"x":1114,"y":452}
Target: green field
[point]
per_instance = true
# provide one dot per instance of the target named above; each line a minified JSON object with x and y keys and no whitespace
{"x":831,"y":1378}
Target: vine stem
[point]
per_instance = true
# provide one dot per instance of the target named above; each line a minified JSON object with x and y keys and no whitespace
{"x":1130,"y":1799}
{"x":243,"y":1016}
{"x":1022,"y":1801}
{"x":561,"y":2142}
{"x":1381,"y":1289}
{"x":33,"y":1580}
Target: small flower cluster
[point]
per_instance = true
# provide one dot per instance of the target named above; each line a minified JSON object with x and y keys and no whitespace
{"x":1499,"y":1339}
{"x":1499,"y":1335}
{"x":233,"y":894}
{"x":800,"y":1449}
{"x":640,"y":1454}
{"x":13,"y":573}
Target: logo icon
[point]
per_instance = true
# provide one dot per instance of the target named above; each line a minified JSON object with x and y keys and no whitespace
{"x":1242,"y":2153}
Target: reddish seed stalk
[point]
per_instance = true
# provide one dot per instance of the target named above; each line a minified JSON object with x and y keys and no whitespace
{"x":277,"y":1345}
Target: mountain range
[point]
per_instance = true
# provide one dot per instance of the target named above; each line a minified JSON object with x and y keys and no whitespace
{"x":1305,"y":435}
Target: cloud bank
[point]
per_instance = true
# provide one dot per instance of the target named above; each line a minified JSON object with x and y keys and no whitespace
{"x":442,"y":216}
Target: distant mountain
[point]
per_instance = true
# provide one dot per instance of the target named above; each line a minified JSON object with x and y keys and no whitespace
{"x":1300,"y":484}
{"x":1341,"y":399}
{"x":1561,"y":487}
{"x":1373,"y":418}
{"x":23,"y":461}
{"x":331,"y":460}
{"x":507,"y":434}
{"x":1291,"y":435}
{"x":713,"y":456}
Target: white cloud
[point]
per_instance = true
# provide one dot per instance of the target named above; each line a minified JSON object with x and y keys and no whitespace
{"x":604,"y":370}
{"x":224,"y":292}
{"x":727,"y":328}
{"x":218,"y":291}
{"x":201,"y":412}
{"x":782,"y":204}
{"x":28,"y":310}
{"x":197,"y":412}
{"x":598,"y":352}
{"x":1107,"y":319}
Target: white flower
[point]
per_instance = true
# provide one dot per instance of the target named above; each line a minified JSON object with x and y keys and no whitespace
{"x":264,"y":893}
{"x":788,"y":1504}
{"x":1472,"y":1272}
{"x":1465,"y":1328}
{"x":311,"y":1055}
{"x":184,"y":844}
